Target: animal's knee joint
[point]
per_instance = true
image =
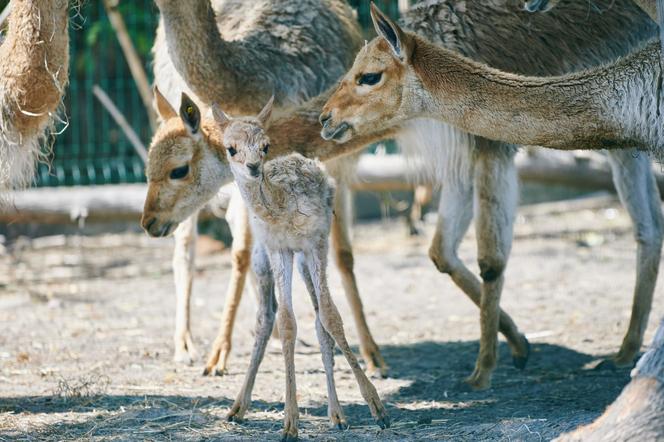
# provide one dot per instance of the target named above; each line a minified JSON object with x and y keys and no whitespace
{"x":491,"y":270}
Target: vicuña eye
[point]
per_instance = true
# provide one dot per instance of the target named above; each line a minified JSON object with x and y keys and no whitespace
{"x":232,"y":151}
{"x":179,"y":172}
{"x":369,"y":79}
{"x":265,"y":148}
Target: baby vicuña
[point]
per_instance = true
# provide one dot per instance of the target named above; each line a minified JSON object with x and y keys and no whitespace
{"x":290,"y":201}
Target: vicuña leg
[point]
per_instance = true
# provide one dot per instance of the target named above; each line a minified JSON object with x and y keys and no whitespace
{"x":331,"y":320}
{"x":343,"y":253}
{"x":334,"y":410}
{"x":281,"y":262}
{"x":637,"y":188}
{"x":496,"y":194}
{"x":184,"y":255}
{"x":238,"y":220}
{"x":455,"y":211}
{"x":267,"y":307}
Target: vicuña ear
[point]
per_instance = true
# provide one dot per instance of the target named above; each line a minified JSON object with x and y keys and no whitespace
{"x":264,"y":115}
{"x":164,"y":108}
{"x":391,"y":32}
{"x":220,"y":117}
{"x":190,"y":114}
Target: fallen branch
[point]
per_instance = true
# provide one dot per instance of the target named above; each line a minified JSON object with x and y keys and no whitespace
{"x":133,"y":60}
{"x":106,"y":101}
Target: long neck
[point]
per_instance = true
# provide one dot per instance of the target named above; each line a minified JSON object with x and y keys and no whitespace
{"x":34,"y":63}
{"x":586,"y":110}
{"x":198,"y":51}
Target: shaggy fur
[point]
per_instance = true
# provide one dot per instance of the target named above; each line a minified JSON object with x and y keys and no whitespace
{"x":290,"y":200}
{"x":34,"y":70}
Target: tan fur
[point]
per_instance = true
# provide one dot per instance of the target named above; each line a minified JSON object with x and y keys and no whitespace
{"x":606,"y":107}
{"x":34,"y":71}
{"x":251,"y":40}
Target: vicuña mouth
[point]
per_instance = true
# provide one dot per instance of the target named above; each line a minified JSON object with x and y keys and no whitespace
{"x":337,"y":133}
{"x":165,"y":230}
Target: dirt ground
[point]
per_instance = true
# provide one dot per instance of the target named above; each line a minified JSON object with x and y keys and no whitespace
{"x":87,"y":322}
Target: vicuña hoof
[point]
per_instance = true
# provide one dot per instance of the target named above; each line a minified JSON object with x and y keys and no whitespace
{"x":236,"y":414}
{"x":289,"y":433}
{"x":477,"y":381}
{"x":521,"y":361}
{"x":380,"y":415}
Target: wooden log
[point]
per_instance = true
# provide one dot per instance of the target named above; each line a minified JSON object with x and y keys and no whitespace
{"x":638,"y":413}
{"x":374,"y":173}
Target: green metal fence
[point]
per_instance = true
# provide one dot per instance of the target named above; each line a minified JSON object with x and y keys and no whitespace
{"x":93,"y":149}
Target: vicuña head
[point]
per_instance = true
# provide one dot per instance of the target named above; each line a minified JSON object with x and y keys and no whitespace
{"x":373,"y":94}
{"x":186,"y":166}
{"x":245,"y":141}
{"x":539,"y":5}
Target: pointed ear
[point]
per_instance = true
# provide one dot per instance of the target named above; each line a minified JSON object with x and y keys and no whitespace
{"x":164,"y":108}
{"x":265,"y":114}
{"x":190,"y":114}
{"x":390,"y":32}
{"x":220,"y":117}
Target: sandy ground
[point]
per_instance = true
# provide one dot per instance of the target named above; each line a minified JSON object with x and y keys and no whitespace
{"x":86,"y":325}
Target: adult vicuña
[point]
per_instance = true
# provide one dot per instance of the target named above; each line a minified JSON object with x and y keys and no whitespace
{"x":476,"y":169}
{"x":34,"y":70}
{"x":386,"y":87}
{"x":298,"y":49}
{"x":400,"y":75}
{"x":290,"y":201}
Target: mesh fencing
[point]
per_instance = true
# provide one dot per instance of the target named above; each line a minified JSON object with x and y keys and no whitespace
{"x":93,"y":149}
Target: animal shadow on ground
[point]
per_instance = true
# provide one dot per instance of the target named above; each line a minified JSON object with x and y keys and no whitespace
{"x":556,"y":388}
{"x":555,"y":393}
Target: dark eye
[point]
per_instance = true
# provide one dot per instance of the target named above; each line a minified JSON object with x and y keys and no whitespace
{"x":266,"y":148}
{"x":369,"y":79}
{"x":232,"y":151}
{"x":179,"y":172}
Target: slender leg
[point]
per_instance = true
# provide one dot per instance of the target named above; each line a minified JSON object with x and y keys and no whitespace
{"x":184,"y":255}
{"x":637,"y":188}
{"x":241,"y":259}
{"x":281,"y":262}
{"x":267,"y":307}
{"x":331,"y":320}
{"x":496,"y":194}
{"x":334,"y":410}
{"x":454,"y":215}
{"x":343,"y":253}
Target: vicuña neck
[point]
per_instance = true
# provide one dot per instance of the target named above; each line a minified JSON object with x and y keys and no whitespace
{"x":586,"y":110}
{"x":198,"y":51}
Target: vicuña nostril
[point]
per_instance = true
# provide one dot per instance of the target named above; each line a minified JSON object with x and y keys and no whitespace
{"x":324,"y":118}
{"x":253,"y":168}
